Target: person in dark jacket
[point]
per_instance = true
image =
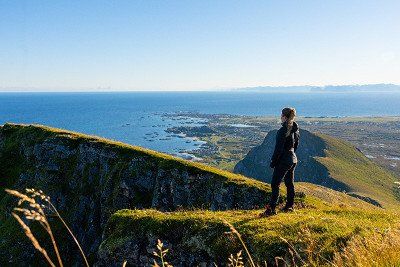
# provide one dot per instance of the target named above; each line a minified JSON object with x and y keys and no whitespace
{"x":284,"y":161}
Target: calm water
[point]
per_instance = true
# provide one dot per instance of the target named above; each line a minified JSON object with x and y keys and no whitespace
{"x":132,"y":117}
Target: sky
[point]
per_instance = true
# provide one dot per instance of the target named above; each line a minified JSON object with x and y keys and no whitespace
{"x":196,"y":45}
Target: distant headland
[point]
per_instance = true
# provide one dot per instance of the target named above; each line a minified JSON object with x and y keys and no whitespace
{"x":383,"y":87}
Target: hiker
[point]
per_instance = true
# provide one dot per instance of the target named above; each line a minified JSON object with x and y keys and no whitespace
{"x":284,"y":161}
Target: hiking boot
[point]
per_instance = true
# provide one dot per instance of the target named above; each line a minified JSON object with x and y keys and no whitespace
{"x":268,"y":212}
{"x":288,"y":209}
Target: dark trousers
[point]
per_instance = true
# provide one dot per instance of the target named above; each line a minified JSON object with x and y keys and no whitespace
{"x":286,"y":173}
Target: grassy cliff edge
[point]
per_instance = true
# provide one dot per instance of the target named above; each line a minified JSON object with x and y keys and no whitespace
{"x":104,"y":187}
{"x":320,"y":235}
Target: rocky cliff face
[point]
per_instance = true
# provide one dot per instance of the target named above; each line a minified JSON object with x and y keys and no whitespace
{"x":256,"y":162}
{"x":198,"y":240}
{"x":89,"y":178}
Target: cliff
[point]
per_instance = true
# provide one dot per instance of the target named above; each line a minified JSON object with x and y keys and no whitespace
{"x":119,"y":199}
{"x":329,"y":162}
{"x":89,"y":178}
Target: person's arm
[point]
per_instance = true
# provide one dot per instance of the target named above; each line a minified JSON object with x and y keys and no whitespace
{"x":279,"y":147}
{"x":296,"y":140}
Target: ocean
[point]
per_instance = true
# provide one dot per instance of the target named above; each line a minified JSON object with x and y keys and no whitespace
{"x":135,"y":117}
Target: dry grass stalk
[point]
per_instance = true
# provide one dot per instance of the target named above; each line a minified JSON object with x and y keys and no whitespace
{"x":160,"y":253}
{"x":235,"y":261}
{"x":277,"y":259}
{"x":292,"y":251}
{"x":34,"y":211}
{"x":379,"y":249}
{"x":71,"y":233}
{"x":33,"y":239}
{"x":235,"y":232}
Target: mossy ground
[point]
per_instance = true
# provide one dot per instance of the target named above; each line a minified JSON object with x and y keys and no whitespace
{"x":317,"y":233}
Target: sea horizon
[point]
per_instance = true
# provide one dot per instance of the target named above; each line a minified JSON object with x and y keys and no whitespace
{"x":308,"y":88}
{"x":137,"y":117}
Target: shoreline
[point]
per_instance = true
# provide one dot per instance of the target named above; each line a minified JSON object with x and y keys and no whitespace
{"x":225,"y":144}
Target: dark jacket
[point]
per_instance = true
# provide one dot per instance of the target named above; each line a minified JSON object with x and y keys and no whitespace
{"x":285,"y":147}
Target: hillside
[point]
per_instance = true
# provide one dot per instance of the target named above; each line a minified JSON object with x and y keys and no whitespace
{"x":200,"y":236}
{"x":89,"y":179}
{"x":329,"y":162}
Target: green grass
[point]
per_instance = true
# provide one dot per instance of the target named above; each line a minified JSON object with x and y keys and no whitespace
{"x":330,"y":196}
{"x":365,"y":178}
{"x":323,"y":230}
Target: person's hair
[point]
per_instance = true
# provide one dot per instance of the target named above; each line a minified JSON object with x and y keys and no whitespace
{"x":290,"y":114}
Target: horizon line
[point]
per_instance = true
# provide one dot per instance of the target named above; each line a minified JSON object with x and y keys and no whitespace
{"x":222,"y":89}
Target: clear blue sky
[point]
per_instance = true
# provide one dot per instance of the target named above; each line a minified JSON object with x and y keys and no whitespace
{"x":178,"y":45}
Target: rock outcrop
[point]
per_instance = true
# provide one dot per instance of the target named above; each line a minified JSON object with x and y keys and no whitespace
{"x":90,"y":178}
{"x":256,"y":162}
{"x":192,"y":238}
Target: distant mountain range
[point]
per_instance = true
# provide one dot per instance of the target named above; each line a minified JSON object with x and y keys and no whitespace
{"x":327,"y":88}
